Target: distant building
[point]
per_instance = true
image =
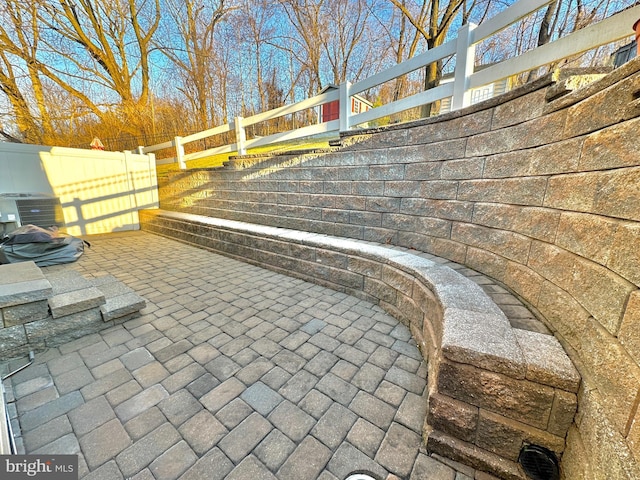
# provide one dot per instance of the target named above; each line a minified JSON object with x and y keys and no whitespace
{"x":624,"y":54}
{"x":478,"y":94}
{"x":331,"y":111}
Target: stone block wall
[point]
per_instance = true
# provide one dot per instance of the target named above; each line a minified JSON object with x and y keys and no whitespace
{"x":492,"y":388}
{"x":40,"y":309}
{"x":542,"y":196}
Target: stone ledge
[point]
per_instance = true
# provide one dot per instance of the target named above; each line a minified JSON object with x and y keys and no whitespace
{"x":22,"y":283}
{"x":523,"y":379}
{"x":70,"y":307}
{"x":75,"y":301}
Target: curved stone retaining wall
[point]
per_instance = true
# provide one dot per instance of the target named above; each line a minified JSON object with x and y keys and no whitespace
{"x":540,"y":195}
{"x":491,"y":388}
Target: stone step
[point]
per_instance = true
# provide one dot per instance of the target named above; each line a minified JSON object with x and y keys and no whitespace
{"x":121,"y":300}
{"x":76,"y":301}
{"x":22,"y":283}
{"x":43,"y":308}
{"x":64,"y":281}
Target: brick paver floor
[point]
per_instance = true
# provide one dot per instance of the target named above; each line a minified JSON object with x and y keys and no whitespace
{"x":232,"y":371}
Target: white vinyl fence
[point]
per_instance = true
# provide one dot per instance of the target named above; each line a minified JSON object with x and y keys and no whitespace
{"x":612,"y":29}
{"x":100,"y":192}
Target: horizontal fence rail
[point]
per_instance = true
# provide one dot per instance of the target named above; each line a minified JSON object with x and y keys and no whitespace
{"x":465,"y":79}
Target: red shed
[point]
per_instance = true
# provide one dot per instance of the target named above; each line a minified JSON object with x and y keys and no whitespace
{"x":331,"y":111}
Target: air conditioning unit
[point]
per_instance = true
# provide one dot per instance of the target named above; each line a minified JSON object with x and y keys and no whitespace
{"x":17,"y":209}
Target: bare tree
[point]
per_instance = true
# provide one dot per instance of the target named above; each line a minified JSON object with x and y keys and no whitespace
{"x":432,"y":19}
{"x":305,"y":46}
{"x":89,"y":50}
{"x":193,"y":51}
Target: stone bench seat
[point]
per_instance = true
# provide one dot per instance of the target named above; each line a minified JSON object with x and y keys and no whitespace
{"x":492,"y":388}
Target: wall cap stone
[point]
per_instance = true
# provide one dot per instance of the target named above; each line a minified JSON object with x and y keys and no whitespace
{"x":475,"y":330}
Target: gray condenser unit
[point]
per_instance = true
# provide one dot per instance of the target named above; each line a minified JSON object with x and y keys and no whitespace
{"x":17,"y":209}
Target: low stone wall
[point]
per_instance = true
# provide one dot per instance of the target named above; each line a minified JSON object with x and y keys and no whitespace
{"x":491,"y":388}
{"x":42,"y":309}
{"x":541,"y":195}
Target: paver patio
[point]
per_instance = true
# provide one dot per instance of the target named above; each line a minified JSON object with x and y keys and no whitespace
{"x":233,"y":371}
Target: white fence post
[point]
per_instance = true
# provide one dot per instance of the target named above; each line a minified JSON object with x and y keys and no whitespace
{"x":465,"y":63}
{"x":177,"y":142}
{"x":241,"y":136}
{"x":132,"y":192}
{"x":345,"y":106}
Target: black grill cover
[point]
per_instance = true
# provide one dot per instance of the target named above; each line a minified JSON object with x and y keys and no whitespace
{"x":44,"y":247}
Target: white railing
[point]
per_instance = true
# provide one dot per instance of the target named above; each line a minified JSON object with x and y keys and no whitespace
{"x":612,"y":29}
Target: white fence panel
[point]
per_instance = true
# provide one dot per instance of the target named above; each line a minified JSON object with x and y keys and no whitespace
{"x":100,"y":192}
{"x":605,"y":32}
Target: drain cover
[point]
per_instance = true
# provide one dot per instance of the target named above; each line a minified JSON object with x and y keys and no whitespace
{"x":360,"y":476}
{"x":539,"y":463}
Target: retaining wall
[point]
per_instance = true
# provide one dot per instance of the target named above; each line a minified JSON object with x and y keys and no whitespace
{"x":491,"y":388}
{"x":541,"y":195}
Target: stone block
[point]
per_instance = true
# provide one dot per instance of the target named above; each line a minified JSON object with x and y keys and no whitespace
{"x":536,"y":132}
{"x":462,"y":169}
{"x":121,"y":306}
{"x":411,"y":312}
{"x":547,"y":363}
{"x":609,"y":453}
{"x":485,"y":340}
{"x":454,"y":251}
{"x":556,"y":158}
{"x":245,"y":437}
{"x":477,"y":122}
{"x":605,"y":353}
{"x":104,"y":443}
{"x":439,"y":189}
{"x":586,"y":235}
{"x":612,"y":147}
{"x":139,"y":455}
{"x":26,"y":312}
{"x":609,"y":193}
{"x":386,"y":172}
{"x":20,"y":272}
{"x":367,"y":268}
{"x":455,"y":291}
{"x":141,"y":402}
{"x":443,"y":209}
{"x":563,"y":413}
{"x":452,"y":417}
{"x":369,"y":188}
{"x":22,"y":285}
{"x":348,"y":459}
{"x":61,"y":329}
{"x":397,"y":280}
{"x":473,"y":456}
{"x":506,"y":437}
{"x":75,"y":301}
{"x":437,"y":151}
{"x":11,"y":339}
{"x":629,"y":334}
{"x":63,"y":281}
{"x":519,"y":109}
{"x":600,"y":291}
{"x":517,"y":191}
{"x":589,"y":114}
{"x":523,"y":281}
{"x":510,"y":245}
{"x":174,"y":462}
{"x":624,"y":258}
{"x":307,"y":460}
{"x":521,"y":400}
